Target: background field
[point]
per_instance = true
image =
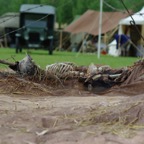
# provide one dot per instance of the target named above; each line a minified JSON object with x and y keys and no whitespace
{"x":42,"y":58}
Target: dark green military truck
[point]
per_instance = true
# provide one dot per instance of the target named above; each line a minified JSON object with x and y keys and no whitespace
{"x":36,"y":27}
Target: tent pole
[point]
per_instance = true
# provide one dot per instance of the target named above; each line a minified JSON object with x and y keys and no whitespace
{"x":100,"y":28}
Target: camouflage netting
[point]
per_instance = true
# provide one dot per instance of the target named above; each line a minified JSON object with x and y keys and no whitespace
{"x":69,"y":79}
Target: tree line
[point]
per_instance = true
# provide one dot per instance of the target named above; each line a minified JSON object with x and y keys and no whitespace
{"x":66,"y":10}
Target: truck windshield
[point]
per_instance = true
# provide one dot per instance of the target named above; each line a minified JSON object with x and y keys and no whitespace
{"x":35,"y":20}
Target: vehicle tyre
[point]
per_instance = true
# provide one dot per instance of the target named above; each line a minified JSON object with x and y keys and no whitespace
{"x":17,"y":44}
{"x":51,"y":47}
{"x":50,"y":52}
{"x":18,"y":48}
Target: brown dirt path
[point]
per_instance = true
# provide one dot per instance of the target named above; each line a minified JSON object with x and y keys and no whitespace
{"x":50,"y":120}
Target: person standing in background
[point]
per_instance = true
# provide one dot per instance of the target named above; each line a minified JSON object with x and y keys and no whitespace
{"x":122,"y":43}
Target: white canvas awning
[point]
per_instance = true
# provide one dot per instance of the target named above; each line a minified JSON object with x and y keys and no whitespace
{"x":138,"y":18}
{"x":126,"y":26}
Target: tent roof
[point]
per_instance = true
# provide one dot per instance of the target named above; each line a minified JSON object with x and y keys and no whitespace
{"x":89,"y":22}
{"x":9,"y":20}
{"x":138,"y":18}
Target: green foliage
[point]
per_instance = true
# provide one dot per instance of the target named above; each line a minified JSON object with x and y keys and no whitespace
{"x":67,"y":9}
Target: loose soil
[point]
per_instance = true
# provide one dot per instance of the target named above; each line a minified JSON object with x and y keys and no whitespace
{"x":67,"y":113}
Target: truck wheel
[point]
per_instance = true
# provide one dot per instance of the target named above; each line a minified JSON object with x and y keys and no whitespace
{"x":17,"y":45}
{"x":18,"y":48}
{"x":51,"y":47}
{"x":50,"y":52}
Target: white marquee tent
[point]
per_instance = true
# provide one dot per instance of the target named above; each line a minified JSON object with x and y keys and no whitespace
{"x":138,"y":17}
{"x":125,"y":24}
{"x":128,"y":28}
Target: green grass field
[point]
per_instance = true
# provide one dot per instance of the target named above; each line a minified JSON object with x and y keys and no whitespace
{"x":42,"y":58}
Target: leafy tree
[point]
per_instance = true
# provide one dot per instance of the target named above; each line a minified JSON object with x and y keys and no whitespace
{"x":67,"y":9}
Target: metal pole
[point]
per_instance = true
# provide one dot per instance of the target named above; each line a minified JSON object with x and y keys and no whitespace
{"x":100,"y":28}
{"x":60,"y":45}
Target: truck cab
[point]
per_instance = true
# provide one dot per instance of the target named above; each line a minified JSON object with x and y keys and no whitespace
{"x":36,"y":27}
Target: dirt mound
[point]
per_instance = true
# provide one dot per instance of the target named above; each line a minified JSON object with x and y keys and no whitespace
{"x":14,"y":84}
{"x":106,"y":81}
{"x":133,"y":84}
{"x":66,"y":78}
